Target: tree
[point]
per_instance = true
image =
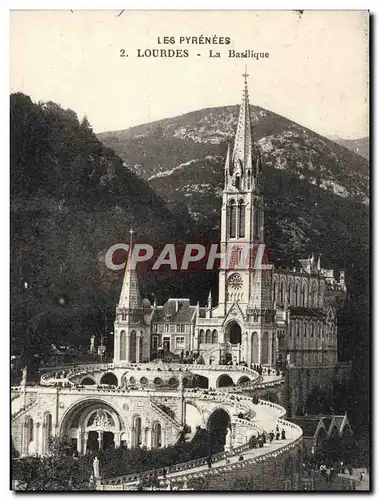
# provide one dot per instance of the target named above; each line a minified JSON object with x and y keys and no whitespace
{"x":57,"y":471}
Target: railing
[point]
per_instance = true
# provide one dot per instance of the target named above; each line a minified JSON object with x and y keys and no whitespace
{"x":26,"y":407}
{"x":198,"y":462}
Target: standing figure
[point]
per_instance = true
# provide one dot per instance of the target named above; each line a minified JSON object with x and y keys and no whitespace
{"x":96,"y":468}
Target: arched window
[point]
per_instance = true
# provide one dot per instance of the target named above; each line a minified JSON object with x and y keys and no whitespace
{"x":136,"y":431}
{"x":156,"y":435}
{"x":47,"y":428}
{"x":214,"y":337}
{"x":202,"y":337}
{"x":123,"y":345}
{"x":208,"y":337}
{"x":232,"y":219}
{"x":282,"y":292}
{"x":28,"y":434}
{"x":241,"y":219}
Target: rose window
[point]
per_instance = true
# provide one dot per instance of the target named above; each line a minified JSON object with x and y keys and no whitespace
{"x":235,"y":282}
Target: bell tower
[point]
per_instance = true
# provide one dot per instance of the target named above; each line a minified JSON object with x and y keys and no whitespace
{"x":242,"y":217}
{"x":131,"y":335}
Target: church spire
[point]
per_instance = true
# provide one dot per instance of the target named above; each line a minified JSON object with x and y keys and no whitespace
{"x":130,"y":297}
{"x":242,"y":152}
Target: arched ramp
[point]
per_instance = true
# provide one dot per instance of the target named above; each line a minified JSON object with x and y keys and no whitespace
{"x":224,"y":381}
{"x":109,"y":379}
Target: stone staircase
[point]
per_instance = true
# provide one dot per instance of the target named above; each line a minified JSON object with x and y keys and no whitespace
{"x":155,"y":405}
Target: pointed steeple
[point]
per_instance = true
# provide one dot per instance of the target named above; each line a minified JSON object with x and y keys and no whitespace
{"x":130,"y":297}
{"x":210,"y":299}
{"x":242,"y":152}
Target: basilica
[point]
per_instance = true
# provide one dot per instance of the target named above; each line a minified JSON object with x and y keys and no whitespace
{"x":239,"y":366}
{"x":264,"y":315}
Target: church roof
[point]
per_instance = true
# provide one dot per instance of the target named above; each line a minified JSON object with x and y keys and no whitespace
{"x":308,"y":424}
{"x":130,"y":296}
{"x":174,"y":311}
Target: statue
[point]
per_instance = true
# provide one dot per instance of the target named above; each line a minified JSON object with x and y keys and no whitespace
{"x":228,"y":440}
{"x":96,"y":468}
{"x":24,"y":375}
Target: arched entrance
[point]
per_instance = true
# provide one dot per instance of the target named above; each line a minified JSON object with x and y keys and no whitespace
{"x":233,"y":333}
{"x":224,"y":381}
{"x":218,"y":424}
{"x":91,"y":425}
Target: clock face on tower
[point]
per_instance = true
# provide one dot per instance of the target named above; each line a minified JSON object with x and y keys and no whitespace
{"x":235,"y":282}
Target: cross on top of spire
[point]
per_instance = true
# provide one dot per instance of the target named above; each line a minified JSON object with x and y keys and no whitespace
{"x":245,"y":75}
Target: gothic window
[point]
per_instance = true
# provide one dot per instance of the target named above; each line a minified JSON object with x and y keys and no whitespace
{"x":241,"y":219}
{"x":123,"y":345}
{"x":282,"y":292}
{"x":232,"y":215}
{"x":248,"y":179}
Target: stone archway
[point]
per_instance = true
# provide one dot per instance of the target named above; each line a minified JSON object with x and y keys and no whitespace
{"x":243,"y":380}
{"x":224,"y":381}
{"x":217,"y":427}
{"x":233,"y":333}
{"x":91,"y":424}
{"x":88,"y":381}
{"x":109,"y":379}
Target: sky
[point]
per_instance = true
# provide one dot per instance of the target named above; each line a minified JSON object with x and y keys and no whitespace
{"x":316,"y":73}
